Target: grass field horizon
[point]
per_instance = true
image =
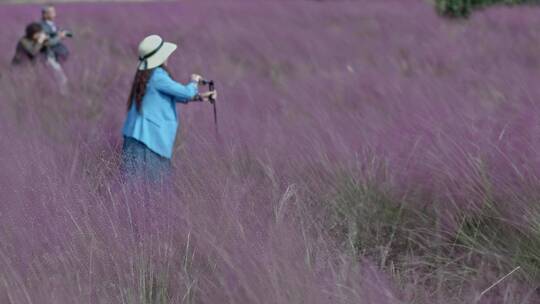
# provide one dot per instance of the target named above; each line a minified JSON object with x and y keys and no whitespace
{"x":369,"y":152}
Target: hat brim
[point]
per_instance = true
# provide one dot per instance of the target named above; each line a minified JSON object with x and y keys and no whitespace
{"x":158,"y":58}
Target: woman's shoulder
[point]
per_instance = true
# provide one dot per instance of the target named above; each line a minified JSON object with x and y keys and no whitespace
{"x":159,"y":73}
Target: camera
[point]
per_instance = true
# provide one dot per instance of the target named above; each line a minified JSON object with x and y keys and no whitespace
{"x":69,"y":34}
{"x":207,"y":82}
{"x":211,"y":87}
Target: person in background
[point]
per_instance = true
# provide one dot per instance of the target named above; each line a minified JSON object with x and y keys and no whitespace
{"x":34,"y":47}
{"x":31,"y":46}
{"x":55,"y":36}
{"x":152,"y":120}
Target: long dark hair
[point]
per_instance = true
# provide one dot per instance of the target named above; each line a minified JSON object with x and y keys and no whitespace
{"x":138,"y":89}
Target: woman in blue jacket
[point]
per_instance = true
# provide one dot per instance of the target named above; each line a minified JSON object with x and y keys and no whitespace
{"x":152,"y":120}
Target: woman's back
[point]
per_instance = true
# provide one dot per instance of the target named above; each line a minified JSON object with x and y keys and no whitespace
{"x":155,"y":122}
{"x":156,"y":103}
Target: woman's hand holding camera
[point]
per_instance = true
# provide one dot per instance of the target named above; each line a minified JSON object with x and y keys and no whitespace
{"x":206,"y":96}
{"x":209,"y":96}
{"x":196,"y":78}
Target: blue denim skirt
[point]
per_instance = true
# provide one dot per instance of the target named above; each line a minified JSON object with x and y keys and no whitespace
{"x":138,"y":161}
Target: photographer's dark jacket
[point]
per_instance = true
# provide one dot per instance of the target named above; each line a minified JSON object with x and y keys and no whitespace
{"x":28,"y":50}
{"x":54,"y":42}
{"x":52,"y":31}
{"x":157,"y":122}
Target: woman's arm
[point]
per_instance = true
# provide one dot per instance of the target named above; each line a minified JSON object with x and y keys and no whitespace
{"x":181,"y":93}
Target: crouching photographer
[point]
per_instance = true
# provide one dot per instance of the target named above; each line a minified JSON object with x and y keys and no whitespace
{"x":152,"y":118}
{"x":31,"y":46}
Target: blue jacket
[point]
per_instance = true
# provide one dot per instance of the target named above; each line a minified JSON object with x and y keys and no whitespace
{"x":157,"y":122}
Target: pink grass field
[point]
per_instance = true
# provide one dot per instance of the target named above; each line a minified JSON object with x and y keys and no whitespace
{"x":370,"y":152}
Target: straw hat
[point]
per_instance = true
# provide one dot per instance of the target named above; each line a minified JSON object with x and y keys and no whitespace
{"x":154,"y":51}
